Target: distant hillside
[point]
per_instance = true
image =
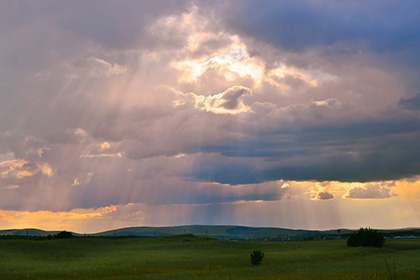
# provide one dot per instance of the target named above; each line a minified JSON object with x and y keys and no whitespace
{"x":27,"y":232}
{"x":219,"y":232}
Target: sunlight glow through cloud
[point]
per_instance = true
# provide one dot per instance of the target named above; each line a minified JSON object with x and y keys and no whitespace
{"x":232,"y":61}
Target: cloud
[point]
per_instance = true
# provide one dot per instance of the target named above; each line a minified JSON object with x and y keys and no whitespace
{"x":370,"y":191}
{"x":297,"y":25}
{"x":45,"y":169}
{"x":324,"y":195}
{"x":227,"y":102}
{"x":178,"y":106}
{"x":100,"y":67}
{"x":412,"y":103}
{"x":20,"y":169}
{"x":9,"y":167}
{"x":313,"y":141}
{"x":109,"y":24}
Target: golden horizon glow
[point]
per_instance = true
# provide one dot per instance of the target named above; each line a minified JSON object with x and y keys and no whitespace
{"x":301,"y":192}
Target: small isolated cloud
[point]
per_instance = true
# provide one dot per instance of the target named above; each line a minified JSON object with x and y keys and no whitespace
{"x":116,"y":155}
{"x":82,"y":179}
{"x":20,"y":169}
{"x":321,"y":191}
{"x":100,"y":67}
{"x":105,"y":146}
{"x":12,"y":187}
{"x":101,"y":150}
{"x":411,"y":103}
{"x":324,"y":195}
{"x":227,"y":102}
{"x":13,"y":168}
{"x":75,"y":182}
{"x":45,"y":169}
{"x":80,"y":132}
{"x":370,"y":191}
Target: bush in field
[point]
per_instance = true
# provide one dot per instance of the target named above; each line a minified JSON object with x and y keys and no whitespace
{"x":366,"y":237}
{"x":256,"y":257}
{"x":63,"y":235}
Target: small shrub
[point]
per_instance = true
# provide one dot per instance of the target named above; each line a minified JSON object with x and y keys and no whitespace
{"x":256,"y":257}
{"x":366,"y":237}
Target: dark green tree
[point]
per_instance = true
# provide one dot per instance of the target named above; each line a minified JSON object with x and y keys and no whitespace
{"x":366,"y":237}
{"x":63,"y":235}
{"x":256,"y":257}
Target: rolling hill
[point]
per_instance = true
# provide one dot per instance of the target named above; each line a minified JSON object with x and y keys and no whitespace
{"x":219,"y":232}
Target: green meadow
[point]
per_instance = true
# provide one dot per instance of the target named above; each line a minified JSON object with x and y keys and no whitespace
{"x":191,"y":257}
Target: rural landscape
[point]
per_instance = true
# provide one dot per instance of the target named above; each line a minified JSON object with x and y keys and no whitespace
{"x":134,"y":254}
{"x":222,"y":139}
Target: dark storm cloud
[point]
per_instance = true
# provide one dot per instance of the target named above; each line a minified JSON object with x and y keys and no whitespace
{"x":309,"y":149}
{"x":176,"y":192}
{"x":412,"y":103}
{"x":296,"y":25}
{"x":225,"y":171}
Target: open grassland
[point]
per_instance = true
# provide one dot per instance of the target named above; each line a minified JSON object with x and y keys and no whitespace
{"x":190,"y":257}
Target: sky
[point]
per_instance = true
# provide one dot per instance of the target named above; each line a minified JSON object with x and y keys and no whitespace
{"x":294,"y":114}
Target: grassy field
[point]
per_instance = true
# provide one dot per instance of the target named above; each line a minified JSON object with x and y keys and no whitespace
{"x":189,"y":257}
